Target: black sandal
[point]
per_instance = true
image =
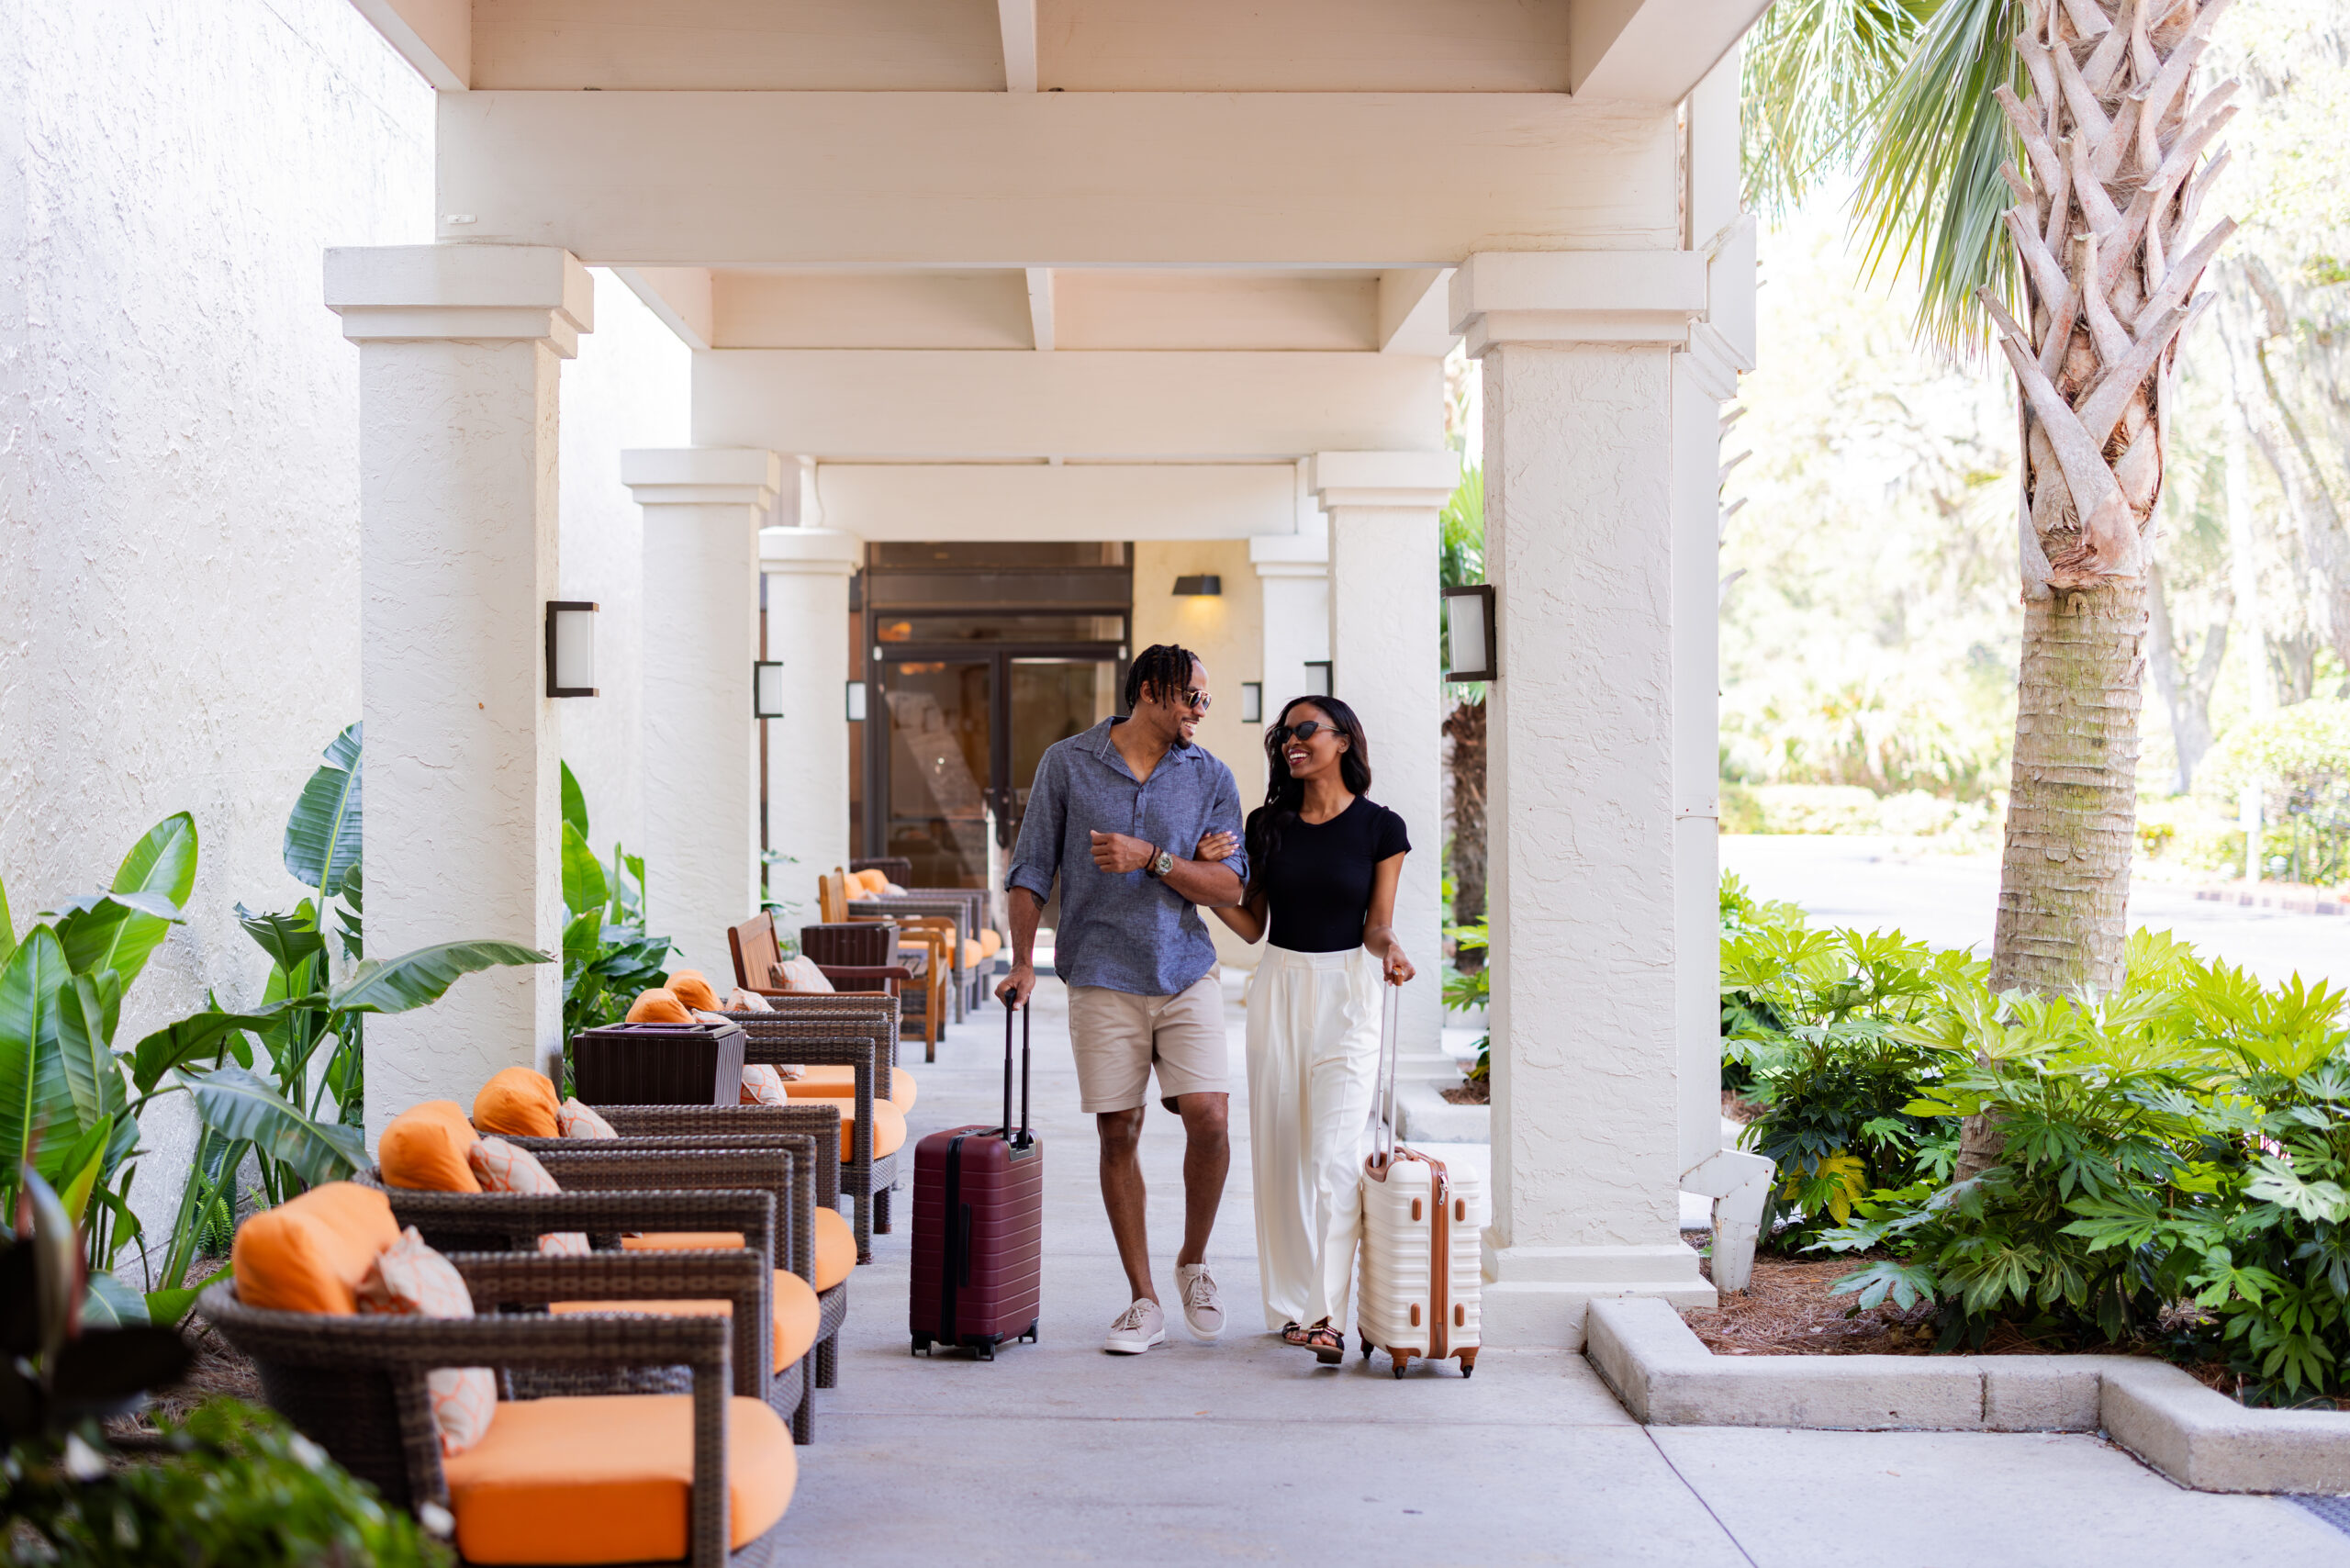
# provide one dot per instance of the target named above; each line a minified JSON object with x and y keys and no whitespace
{"x":1329,"y":1346}
{"x":1293,"y":1333}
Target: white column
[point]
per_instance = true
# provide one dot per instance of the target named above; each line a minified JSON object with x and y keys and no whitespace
{"x":703,"y":506}
{"x":1386,"y":663}
{"x":1580,"y":514}
{"x":459,"y":348}
{"x":1294,"y":572}
{"x":808,"y":572}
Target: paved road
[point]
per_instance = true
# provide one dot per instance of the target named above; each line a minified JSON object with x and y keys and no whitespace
{"x":1950,"y":901}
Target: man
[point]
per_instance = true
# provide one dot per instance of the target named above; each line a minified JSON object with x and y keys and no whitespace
{"x":1112,"y":815}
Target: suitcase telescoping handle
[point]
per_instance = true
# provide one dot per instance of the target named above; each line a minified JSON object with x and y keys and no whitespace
{"x":1021,"y":1141}
{"x":1382,"y":1101}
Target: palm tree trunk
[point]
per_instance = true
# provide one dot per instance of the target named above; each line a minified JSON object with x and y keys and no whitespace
{"x":1466,"y":727}
{"x":2102,"y":230}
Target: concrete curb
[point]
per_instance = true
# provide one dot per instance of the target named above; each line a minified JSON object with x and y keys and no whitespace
{"x":1424,"y":1116}
{"x":2200,"y":1438}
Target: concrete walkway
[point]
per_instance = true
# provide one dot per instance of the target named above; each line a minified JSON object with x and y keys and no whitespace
{"x":1244,"y":1451}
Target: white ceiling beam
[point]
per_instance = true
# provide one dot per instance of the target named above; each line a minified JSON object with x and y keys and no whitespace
{"x":1017,"y":21}
{"x":1054,"y":179}
{"x":1651,"y":51}
{"x":680,"y":295}
{"x":436,"y":36}
{"x":1412,"y":311}
{"x":1040,"y":305}
{"x":917,"y":501}
{"x":926,"y":404}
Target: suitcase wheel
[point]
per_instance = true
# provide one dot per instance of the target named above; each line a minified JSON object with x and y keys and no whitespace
{"x":1399,"y":1359}
{"x":985,"y":1349}
{"x":922,"y":1345}
{"x":1467,"y":1363}
{"x":1029,"y":1333}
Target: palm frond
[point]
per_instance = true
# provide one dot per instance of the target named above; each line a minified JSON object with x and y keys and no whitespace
{"x":1813,"y":73}
{"x":1930,"y":193}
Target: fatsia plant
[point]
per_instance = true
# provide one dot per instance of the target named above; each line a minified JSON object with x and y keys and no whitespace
{"x":607,"y":955}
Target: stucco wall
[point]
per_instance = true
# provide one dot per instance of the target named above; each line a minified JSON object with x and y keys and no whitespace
{"x":1228,"y":632}
{"x":178,"y":430}
{"x":630,"y":387}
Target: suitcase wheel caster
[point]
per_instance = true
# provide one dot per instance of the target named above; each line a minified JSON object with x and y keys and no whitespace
{"x":1398,"y":1362}
{"x":922,"y":1345}
{"x":1028,"y":1335}
{"x":1468,"y":1369}
{"x":986,"y":1351}
{"x":1366,"y":1350}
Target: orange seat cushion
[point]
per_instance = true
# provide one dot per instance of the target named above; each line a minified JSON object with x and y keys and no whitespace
{"x":835,"y":1248}
{"x":311,"y":1253}
{"x":972,"y":952}
{"x":658,"y":1006}
{"x":840,"y":1083}
{"x":519,"y":1103}
{"x":991,"y":942}
{"x":692,"y":988}
{"x":888,"y":1125}
{"x":608,"y":1478}
{"x":796,"y":1313}
{"x":835,"y":1245}
{"x":424,"y":1149}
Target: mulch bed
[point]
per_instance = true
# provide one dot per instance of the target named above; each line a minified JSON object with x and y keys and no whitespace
{"x":1472,"y":1091}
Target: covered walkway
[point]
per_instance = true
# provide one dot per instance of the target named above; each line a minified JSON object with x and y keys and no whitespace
{"x":1244,"y":1451}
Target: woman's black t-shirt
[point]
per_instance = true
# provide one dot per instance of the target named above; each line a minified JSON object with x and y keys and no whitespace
{"x":1317,"y":887}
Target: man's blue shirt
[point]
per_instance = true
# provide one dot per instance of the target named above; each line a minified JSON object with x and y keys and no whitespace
{"x":1129,"y":933}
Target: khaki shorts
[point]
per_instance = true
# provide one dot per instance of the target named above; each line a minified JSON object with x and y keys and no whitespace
{"x":1118,"y":1037}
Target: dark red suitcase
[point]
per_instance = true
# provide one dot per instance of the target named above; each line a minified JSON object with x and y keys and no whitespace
{"x":980,"y":1226}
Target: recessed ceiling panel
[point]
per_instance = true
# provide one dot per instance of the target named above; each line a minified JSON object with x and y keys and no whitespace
{"x":1303,"y":46}
{"x":1203,"y":309}
{"x":871,"y":310}
{"x":741,"y":45}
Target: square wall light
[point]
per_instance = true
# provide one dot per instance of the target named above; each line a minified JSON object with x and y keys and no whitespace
{"x":1252,"y":702}
{"x":1469,"y":653}
{"x":1317,"y":679}
{"x":571,"y":648}
{"x":766,"y":689}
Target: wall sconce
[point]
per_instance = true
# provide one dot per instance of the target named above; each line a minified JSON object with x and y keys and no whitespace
{"x":1317,"y":679}
{"x":766,"y":689}
{"x":1252,"y":702}
{"x":1207,"y":583}
{"x":856,"y":701}
{"x":1469,"y":652}
{"x":571,"y":648}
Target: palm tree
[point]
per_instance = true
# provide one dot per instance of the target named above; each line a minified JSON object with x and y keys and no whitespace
{"x":1461,"y":561}
{"x":2041,"y":162}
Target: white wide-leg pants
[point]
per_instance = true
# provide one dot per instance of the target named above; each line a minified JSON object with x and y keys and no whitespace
{"x":1313,"y":1058}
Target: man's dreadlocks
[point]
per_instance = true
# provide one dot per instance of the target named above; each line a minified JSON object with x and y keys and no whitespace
{"x":1164,"y":667}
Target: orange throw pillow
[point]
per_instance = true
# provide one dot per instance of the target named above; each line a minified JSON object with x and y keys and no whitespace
{"x":658,"y":1006}
{"x":410,"y":1280}
{"x":519,"y":1102}
{"x":424,"y":1149}
{"x":502,"y":1168}
{"x":310,"y":1253}
{"x":692,"y":991}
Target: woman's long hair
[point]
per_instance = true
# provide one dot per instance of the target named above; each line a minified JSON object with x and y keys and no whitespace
{"x":1285,"y":796}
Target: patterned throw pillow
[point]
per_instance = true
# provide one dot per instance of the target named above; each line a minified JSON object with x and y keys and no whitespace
{"x":574,"y":1120}
{"x":500,"y":1167}
{"x":763,"y":1086}
{"x":741,"y":1001}
{"x":801,"y":973}
{"x":410,"y":1280}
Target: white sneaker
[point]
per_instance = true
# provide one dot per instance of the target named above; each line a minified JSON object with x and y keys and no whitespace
{"x":1138,"y":1328}
{"x":1201,"y":1308}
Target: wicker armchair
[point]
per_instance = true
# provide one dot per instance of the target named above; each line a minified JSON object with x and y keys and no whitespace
{"x":846,"y":948}
{"x":817,"y":1037}
{"x":355,"y":1384}
{"x":762,"y":1188}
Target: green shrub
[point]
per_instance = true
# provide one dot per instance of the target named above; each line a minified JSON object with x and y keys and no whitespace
{"x":2183,"y":1142}
{"x":235,"y":1487}
{"x":1740,"y":810}
{"x":2300,"y":757}
{"x":1818,"y":1020}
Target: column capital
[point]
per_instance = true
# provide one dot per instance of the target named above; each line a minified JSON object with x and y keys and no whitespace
{"x":703,"y":475}
{"x":1577,"y":296}
{"x":1384,"y":478}
{"x":1714,"y":362}
{"x":480,"y":292}
{"x":809,"y":552}
{"x":1290,"y":554}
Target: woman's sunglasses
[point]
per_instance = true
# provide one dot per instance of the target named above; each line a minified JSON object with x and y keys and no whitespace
{"x":1285,"y":733}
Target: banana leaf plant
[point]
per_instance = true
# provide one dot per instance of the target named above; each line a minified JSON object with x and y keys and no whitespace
{"x":607,"y":957}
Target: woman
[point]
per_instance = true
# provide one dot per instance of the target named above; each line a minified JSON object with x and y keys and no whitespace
{"x":1324,"y":860}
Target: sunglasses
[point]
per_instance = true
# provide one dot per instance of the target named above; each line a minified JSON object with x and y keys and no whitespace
{"x":1285,"y":733}
{"x":1195,"y":699}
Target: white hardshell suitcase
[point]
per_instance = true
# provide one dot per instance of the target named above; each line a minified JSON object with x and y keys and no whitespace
{"x":1423,"y":1268}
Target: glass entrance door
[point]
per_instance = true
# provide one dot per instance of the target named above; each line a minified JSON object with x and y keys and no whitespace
{"x":963,"y":737}
{"x":938,"y":770}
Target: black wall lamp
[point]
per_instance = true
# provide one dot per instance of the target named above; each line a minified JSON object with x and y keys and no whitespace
{"x":1468,"y":633}
{"x":571,"y":648}
{"x":1317,"y":678}
{"x":1206,"y":583}
{"x":766,"y":689}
